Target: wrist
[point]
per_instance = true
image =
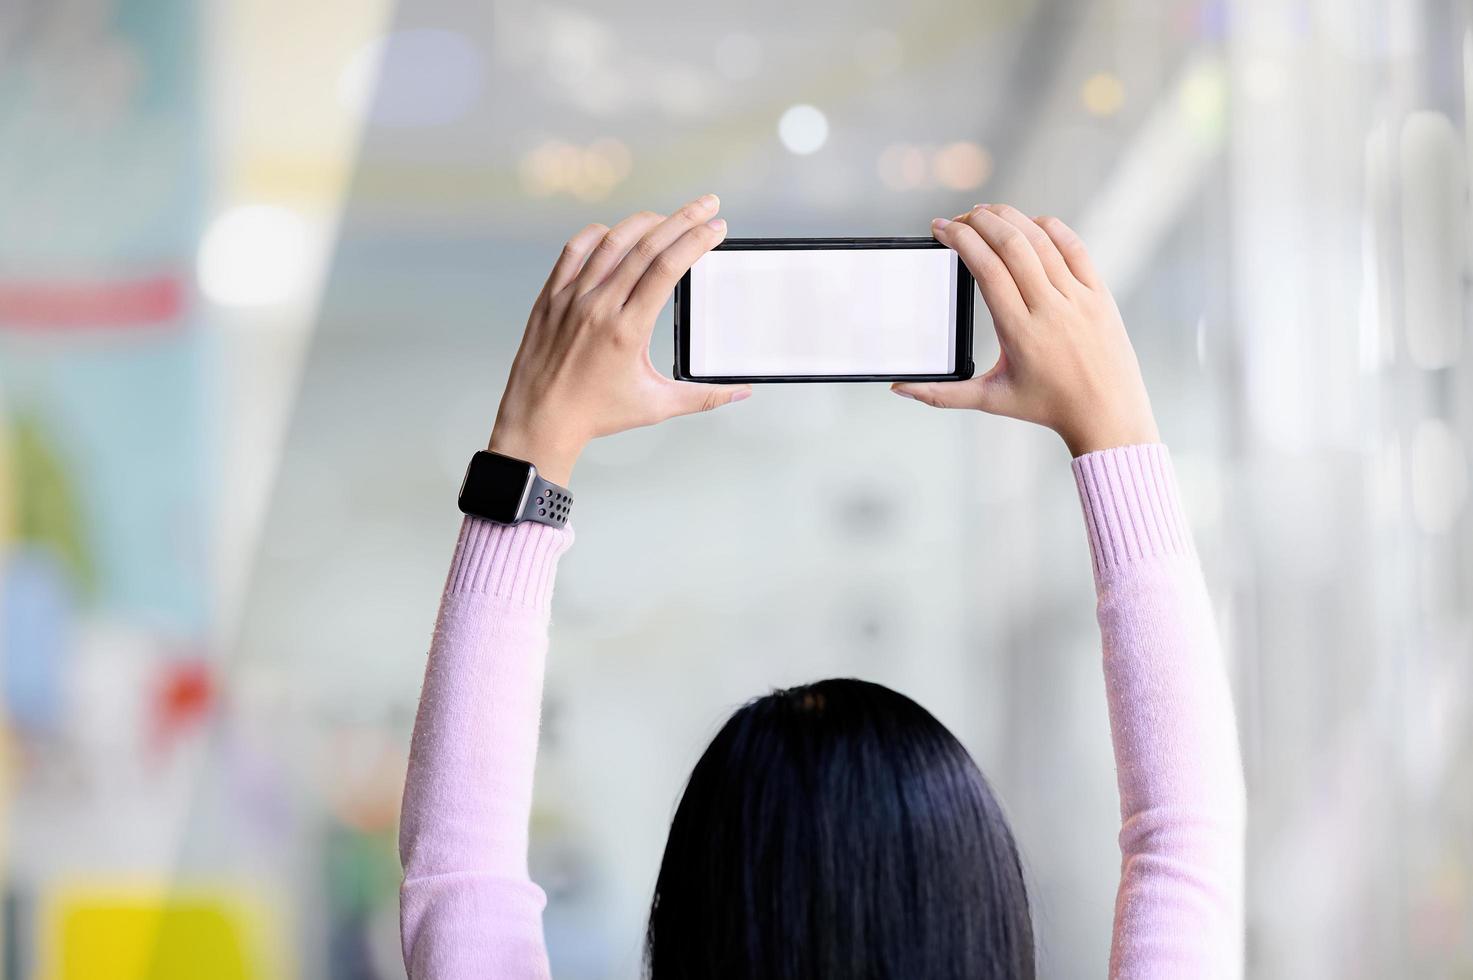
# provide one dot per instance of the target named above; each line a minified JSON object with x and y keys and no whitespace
{"x":1111,"y":435}
{"x":554,"y":458}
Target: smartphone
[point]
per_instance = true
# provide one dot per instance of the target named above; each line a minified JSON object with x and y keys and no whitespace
{"x":824,"y":309}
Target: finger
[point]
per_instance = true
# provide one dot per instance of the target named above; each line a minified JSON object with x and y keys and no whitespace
{"x":999,"y":291}
{"x":1071,"y":247}
{"x":665,"y":270}
{"x":612,"y":247}
{"x":572,"y":258}
{"x":1054,"y":265}
{"x":621,"y":281}
{"x":688,"y":398}
{"x":1017,"y":253}
{"x":989,"y":393}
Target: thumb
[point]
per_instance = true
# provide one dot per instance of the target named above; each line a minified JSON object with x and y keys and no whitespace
{"x":688,"y":398}
{"x":986,"y":394}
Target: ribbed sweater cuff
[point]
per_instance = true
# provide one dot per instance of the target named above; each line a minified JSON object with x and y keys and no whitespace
{"x":515,"y":562}
{"x":1131,"y":506}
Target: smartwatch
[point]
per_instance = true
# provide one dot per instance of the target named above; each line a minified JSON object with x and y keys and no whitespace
{"x":510,"y":491}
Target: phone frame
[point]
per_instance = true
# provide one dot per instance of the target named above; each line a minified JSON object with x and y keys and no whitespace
{"x":963,"y":325}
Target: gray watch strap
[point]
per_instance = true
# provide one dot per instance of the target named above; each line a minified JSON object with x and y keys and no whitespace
{"x":547,"y":503}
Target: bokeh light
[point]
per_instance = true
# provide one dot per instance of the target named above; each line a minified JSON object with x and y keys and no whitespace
{"x":588,"y":173}
{"x":1203,"y":96}
{"x":1103,"y":94}
{"x":962,"y":166}
{"x":576,"y":46}
{"x":254,"y":255}
{"x":803,"y":129}
{"x":903,"y":167}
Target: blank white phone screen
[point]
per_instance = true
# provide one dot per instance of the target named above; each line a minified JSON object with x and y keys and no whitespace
{"x":783,"y":312}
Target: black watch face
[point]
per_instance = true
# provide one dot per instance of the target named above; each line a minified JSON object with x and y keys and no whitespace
{"x":494,"y":486}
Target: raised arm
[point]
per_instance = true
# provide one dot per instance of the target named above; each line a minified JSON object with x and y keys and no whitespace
{"x":468,"y":907}
{"x":1179,"y":908}
{"x":1067,"y":363}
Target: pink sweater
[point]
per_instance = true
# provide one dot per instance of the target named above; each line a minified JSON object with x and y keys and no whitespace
{"x":469,"y":908}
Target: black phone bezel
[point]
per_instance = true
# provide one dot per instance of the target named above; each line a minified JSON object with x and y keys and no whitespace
{"x":964,"y":291}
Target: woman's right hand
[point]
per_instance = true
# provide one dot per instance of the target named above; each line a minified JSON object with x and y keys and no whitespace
{"x":584,"y":369}
{"x":1066,"y":361}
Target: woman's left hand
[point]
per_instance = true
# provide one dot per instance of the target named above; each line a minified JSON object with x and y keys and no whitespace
{"x":584,"y":367}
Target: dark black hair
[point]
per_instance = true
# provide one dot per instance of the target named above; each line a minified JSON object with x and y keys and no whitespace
{"x":838,"y":830}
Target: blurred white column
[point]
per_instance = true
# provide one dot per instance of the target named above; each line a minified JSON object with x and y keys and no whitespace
{"x":289,"y":87}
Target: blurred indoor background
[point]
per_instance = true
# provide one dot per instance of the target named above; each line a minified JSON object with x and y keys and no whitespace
{"x":263,"y":265}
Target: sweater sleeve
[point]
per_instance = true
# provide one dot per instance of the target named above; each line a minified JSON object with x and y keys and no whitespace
{"x":1178,"y":912}
{"x":468,"y":907}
